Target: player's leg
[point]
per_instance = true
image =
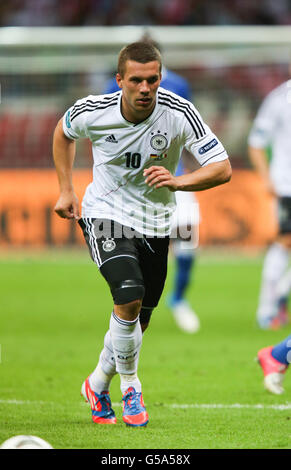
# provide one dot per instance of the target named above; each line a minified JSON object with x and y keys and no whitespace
{"x":283,"y":292}
{"x":154,"y":265}
{"x":184,"y":315}
{"x":275,"y":264}
{"x":126,"y":335}
{"x":274,"y":268}
{"x":101,"y":377}
{"x":154,"y":269}
{"x":125,"y":330}
{"x":274,"y":361}
{"x":117,"y":261}
{"x":153,"y":255}
{"x":184,"y":253}
{"x":126,"y":339}
{"x":284,"y":284}
{"x":124,"y":324}
{"x":184,"y":240}
{"x":106,"y":369}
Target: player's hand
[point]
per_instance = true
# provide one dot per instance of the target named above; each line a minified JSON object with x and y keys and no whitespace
{"x":67,"y":206}
{"x":160,"y":177}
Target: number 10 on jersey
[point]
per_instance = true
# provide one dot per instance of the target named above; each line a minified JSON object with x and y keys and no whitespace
{"x":133,"y":160}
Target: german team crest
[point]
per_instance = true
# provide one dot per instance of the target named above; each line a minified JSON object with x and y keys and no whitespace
{"x":108,"y":244}
{"x":159,"y":142}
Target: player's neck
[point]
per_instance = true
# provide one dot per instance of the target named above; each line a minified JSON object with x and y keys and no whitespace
{"x":133,"y":115}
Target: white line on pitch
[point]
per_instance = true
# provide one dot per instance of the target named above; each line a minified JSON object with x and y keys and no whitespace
{"x":210,"y":406}
{"x":286,"y":406}
{"x":25,"y":402}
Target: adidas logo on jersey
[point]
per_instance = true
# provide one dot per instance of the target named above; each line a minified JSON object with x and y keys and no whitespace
{"x":111,"y":138}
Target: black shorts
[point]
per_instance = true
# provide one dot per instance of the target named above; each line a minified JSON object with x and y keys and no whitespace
{"x":122,"y":254}
{"x":284,"y":215}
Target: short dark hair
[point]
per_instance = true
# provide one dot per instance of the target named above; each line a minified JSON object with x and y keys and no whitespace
{"x":140,"y":51}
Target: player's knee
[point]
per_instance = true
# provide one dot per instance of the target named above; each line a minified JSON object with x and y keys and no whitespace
{"x":130,"y":291}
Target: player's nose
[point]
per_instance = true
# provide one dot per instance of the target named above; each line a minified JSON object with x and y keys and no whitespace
{"x":144,"y":87}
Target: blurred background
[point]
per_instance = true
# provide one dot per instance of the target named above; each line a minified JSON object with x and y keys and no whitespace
{"x":54,"y":52}
{"x":54,"y":307}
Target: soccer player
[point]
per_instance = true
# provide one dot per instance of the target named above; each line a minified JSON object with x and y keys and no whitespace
{"x":137,"y":136}
{"x":271,"y":130}
{"x":274,"y":361}
{"x":187,"y":214}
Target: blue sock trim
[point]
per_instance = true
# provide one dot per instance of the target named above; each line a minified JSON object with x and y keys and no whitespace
{"x":281,"y":352}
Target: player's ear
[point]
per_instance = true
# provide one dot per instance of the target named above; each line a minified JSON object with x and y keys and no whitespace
{"x":118,"y":80}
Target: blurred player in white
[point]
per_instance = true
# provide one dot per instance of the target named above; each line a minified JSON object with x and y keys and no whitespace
{"x":137,"y":136}
{"x":187,"y":212}
{"x":272,"y":131}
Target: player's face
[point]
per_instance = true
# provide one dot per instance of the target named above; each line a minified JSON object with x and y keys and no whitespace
{"x":139,"y":87}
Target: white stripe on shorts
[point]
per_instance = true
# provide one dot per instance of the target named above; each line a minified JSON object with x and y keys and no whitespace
{"x":118,"y":256}
{"x":93,"y":242}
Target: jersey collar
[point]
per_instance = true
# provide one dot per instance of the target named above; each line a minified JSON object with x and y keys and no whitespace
{"x":146,"y":121}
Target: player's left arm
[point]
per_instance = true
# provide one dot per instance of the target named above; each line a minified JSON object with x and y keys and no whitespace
{"x":205,"y":177}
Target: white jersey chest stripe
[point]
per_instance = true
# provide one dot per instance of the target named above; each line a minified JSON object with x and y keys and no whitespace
{"x":171,"y":100}
{"x":97,"y":107}
{"x":91,"y":103}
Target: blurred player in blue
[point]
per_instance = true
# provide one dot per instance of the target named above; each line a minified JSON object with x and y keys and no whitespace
{"x":187,"y":213}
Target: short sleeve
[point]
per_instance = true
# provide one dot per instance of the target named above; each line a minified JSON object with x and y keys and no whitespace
{"x":201,"y":141}
{"x":74,"y":120}
{"x":265,"y":122}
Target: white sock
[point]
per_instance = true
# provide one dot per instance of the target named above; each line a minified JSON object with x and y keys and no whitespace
{"x":107,"y":359}
{"x":99,"y":381}
{"x":284,"y":285}
{"x":127,"y":381}
{"x":275,"y":264}
{"x":126,"y":337}
{"x":101,"y":377}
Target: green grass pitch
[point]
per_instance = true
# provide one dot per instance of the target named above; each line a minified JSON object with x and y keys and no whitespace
{"x":202,"y":391}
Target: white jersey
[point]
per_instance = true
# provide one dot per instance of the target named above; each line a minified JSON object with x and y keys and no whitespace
{"x":122,"y":150}
{"x":272,"y":127}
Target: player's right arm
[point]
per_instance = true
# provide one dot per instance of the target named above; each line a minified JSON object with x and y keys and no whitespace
{"x":64,"y":150}
{"x":259,"y":159}
{"x":71,"y":127}
{"x":261,"y":136}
